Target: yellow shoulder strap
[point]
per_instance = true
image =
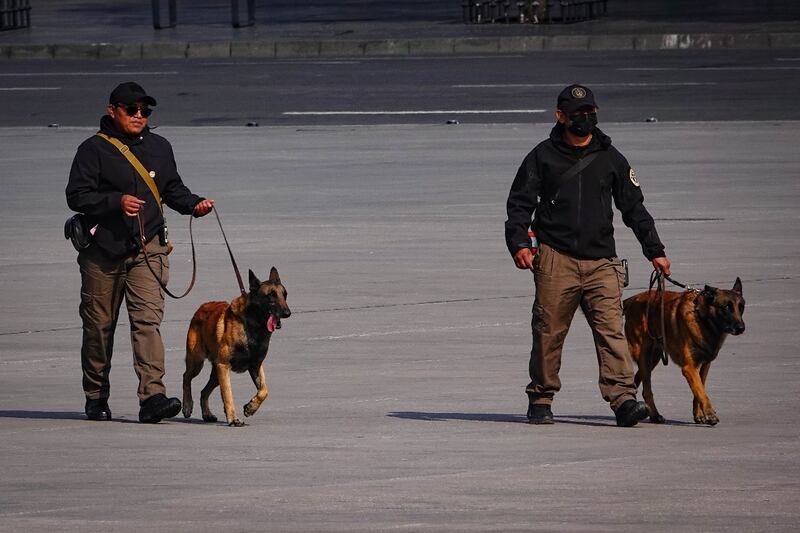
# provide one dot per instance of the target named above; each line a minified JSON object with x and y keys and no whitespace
{"x":134,"y":161}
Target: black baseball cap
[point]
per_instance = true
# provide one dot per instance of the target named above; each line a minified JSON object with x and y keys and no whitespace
{"x":574,"y":97}
{"x":130,"y":93}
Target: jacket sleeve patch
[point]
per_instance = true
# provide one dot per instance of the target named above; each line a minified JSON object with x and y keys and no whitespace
{"x":632,"y":176}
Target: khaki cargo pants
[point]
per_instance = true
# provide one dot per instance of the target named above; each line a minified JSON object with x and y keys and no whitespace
{"x":104,"y":284}
{"x":562,"y":284}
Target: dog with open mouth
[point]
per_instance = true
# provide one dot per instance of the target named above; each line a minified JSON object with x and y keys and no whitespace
{"x":234,"y":337}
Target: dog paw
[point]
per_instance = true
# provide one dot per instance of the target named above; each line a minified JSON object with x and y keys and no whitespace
{"x":657,"y":419}
{"x":208,"y":417}
{"x":710,"y":420}
{"x":236,"y":423}
{"x":187,"y":408}
{"x":250,"y":408}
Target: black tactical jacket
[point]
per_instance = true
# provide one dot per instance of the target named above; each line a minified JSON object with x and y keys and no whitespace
{"x":100,"y":175}
{"x":576,"y":217}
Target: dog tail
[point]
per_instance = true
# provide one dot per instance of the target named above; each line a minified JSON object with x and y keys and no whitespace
{"x":654,"y":354}
{"x":626,"y":303}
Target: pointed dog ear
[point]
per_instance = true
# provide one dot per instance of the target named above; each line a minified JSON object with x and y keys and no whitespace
{"x":709,"y":293}
{"x":254,"y":281}
{"x":737,"y":285}
{"x":274,"y":276}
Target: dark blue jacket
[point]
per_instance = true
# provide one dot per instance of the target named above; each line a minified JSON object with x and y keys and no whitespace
{"x":100,"y":175}
{"x":576,"y":217}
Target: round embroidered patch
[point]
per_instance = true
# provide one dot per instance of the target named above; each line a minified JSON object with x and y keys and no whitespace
{"x":578,"y":92}
{"x":632,"y":176}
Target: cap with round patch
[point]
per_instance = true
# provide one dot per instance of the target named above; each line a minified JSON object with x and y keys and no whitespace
{"x":574,"y":97}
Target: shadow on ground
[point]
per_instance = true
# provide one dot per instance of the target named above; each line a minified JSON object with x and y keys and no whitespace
{"x":78,"y":415}
{"x":600,"y":421}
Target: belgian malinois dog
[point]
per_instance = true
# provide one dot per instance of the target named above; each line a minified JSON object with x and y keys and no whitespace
{"x":696,"y":324}
{"x":234,"y":336}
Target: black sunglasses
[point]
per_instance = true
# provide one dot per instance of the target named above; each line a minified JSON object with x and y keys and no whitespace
{"x":131,"y":110}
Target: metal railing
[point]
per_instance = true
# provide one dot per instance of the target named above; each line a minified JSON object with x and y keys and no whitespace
{"x":15,"y":14}
{"x":531,"y":11}
{"x":236,"y":19}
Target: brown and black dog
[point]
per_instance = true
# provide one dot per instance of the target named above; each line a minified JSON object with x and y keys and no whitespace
{"x":696,"y":324}
{"x":234,"y":336}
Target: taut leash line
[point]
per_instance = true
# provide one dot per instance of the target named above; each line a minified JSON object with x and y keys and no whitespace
{"x":230,"y":253}
{"x":677,"y":283}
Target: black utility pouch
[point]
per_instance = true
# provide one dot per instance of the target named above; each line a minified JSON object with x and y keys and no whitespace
{"x":163,"y":235}
{"x":627,"y":279}
{"x":76,"y":230}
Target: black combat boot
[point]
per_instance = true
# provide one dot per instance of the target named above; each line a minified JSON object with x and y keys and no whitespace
{"x":158,"y":407}
{"x":631,"y":413}
{"x":540,"y":414}
{"x":97,"y":409}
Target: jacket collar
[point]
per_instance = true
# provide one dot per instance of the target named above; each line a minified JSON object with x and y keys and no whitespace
{"x":600,"y":141}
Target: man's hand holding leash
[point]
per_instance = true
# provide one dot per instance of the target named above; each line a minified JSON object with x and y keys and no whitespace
{"x":662,"y":265}
{"x":203,"y":208}
{"x":131,"y":205}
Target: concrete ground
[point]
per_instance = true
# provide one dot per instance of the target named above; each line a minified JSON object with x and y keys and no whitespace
{"x":397,"y":386}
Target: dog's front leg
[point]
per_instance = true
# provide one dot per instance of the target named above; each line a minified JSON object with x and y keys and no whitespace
{"x":260,"y":380}
{"x":697,"y":407}
{"x":224,"y":377}
{"x":705,"y":414}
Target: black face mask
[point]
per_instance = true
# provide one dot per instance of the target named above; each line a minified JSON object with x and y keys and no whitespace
{"x":582,"y":124}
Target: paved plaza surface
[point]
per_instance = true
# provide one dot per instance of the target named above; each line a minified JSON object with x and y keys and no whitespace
{"x":397,"y":386}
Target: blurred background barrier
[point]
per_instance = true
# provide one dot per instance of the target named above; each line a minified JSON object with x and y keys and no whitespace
{"x":15,"y":14}
{"x":237,"y":21}
{"x":531,"y":11}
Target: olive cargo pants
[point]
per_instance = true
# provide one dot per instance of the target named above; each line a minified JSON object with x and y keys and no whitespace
{"x":562,"y":284}
{"x":104,"y":283}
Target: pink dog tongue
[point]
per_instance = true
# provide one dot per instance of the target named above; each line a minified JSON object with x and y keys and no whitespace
{"x":271,"y":323}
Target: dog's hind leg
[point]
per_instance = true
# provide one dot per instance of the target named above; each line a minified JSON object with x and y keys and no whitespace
{"x":260,"y":380}
{"x":212,"y":384}
{"x":194,"y":364}
{"x":647,"y":365}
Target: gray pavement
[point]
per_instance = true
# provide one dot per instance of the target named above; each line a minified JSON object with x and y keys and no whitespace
{"x":90,"y":29}
{"x":397,"y":386}
{"x":631,"y":86}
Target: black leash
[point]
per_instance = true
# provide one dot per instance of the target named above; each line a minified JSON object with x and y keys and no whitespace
{"x":230,"y":253}
{"x":143,"y":245}
{"x":677,"y":283}
{"x":657,"y":280}
{"x":194,"y":257}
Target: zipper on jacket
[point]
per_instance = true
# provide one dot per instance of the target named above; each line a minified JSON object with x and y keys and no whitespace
{"x":580,"y":205}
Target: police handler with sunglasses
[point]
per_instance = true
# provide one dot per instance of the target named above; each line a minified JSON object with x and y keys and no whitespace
{"x":106,"y":187}
{"x":569,"y":181}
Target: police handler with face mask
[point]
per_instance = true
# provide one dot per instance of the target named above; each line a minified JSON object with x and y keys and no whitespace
{"x":106,"y":186}
{"x":566,"y":184}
